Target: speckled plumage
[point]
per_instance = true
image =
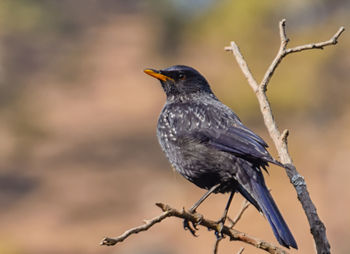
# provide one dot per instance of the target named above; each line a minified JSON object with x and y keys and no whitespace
{"x":206,"y":142}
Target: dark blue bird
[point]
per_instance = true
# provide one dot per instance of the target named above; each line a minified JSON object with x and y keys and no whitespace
{"x":206,"y":142}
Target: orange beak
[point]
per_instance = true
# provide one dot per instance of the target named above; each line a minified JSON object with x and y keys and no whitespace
{"x":157,"y":75}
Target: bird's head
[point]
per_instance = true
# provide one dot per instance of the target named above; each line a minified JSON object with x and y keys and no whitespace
{"x":179,"y":81}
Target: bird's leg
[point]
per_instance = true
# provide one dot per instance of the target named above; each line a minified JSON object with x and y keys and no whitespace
{"x":221,"y":222}
{"x":186,"y":224}
{"x":204,"y":197}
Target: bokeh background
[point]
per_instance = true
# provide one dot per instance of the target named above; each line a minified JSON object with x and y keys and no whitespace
{"x":79,"y":158}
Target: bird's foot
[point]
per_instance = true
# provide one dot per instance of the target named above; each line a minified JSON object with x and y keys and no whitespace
{"x":220,"y":226}
{"x":192,"y":226}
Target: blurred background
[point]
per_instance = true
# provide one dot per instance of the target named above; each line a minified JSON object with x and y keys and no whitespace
{"x":79,"y":158}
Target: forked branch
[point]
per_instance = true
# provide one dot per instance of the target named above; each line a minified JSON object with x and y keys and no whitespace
{"x":198,"y":219}
{"x":317,"y":227}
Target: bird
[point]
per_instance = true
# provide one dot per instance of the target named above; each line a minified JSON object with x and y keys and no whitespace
{"x":206,"y":142}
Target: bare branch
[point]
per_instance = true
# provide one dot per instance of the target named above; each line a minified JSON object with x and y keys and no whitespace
{"x":243,"y":65}
{"x":284,"y":136}
{"x":234,"y":235}
{"x":318,"y":229}
{"x":240,"y":251}
{"x":319,"y":45}
{"x":244,"y":207}
{"x":282,"y":52}
{"x":283,"y":35}
{"x":278,"y":58}
{"x":280,"y":140}
{"x":216,"y":245}
{"x":148,"y":223}
{"x":233,"y":222}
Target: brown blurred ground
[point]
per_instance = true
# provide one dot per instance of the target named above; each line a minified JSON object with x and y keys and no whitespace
{"x":79,"y":158}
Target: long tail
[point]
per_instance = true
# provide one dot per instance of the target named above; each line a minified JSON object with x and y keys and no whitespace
{"x":273,"y":215}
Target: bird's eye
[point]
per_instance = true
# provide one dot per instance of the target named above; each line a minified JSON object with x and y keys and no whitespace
{"x":181,"y":76}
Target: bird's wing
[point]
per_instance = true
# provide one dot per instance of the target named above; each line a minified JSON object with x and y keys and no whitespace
{"x":237,"y":140}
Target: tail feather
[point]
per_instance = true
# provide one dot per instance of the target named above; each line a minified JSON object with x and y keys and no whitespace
{"x":271,"y":212}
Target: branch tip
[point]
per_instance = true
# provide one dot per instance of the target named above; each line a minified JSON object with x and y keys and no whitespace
{"x":283,"y":35}
{"x":162,"y":206}
{"x":108,"y":241}
{"x":283,"y":24}
{"x":284,"y":136}
{"x":240,"y":251}
{"x":337,"y":34}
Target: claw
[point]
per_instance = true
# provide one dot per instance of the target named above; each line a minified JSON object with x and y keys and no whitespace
{"x":199,"y":218}
{"x":220,"y":227}
{"x":194,"y":225}
{"x":192,"y":229}
{"x":218,"y":232}
{"x":218,"y":235}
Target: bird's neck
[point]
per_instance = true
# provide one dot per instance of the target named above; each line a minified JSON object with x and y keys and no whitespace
{"x":197,"y":96}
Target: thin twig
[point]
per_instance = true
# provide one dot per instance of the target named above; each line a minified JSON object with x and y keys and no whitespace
{"x":233,"y":222}
{"x":234,"y":235}
{"x":216,"y":245}
{"x":278,"y":58}
{"x":320,"y":45}
{"x":318,"y":229}
{"x":284,"y":136}
{"x":245,"y":205}
{"x":240,"y":251}
{"x":148,"y":223}
{"x":243,"y":65}
{"x":283,"y":51}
